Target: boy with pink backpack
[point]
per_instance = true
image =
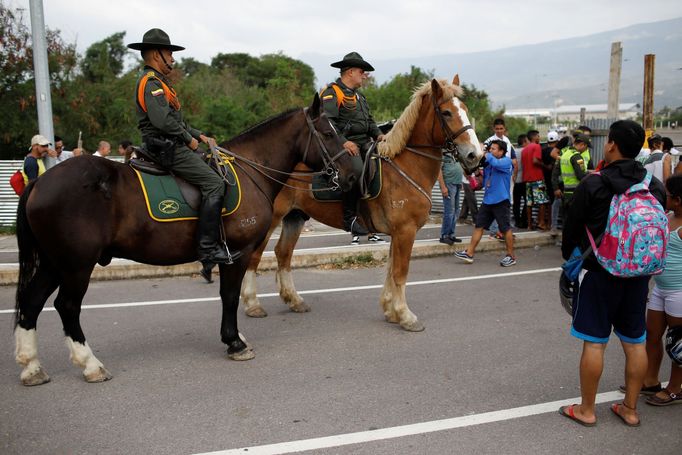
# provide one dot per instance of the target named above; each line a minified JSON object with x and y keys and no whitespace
{"x":619,"y":213}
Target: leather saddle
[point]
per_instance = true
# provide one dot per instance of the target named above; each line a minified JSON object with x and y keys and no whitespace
{"x":142,"y":162}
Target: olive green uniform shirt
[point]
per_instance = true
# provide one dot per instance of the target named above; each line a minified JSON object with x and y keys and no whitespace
{"x":161,"y":119}
{"x":352,"y":118}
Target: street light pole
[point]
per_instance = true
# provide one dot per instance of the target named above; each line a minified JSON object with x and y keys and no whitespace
{"x":42,"y":75}
{"x":614,"y":80}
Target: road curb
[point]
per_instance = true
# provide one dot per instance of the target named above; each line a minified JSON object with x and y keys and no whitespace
{"x":125,"y":270}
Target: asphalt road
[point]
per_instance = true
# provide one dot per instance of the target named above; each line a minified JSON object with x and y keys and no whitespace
{"x":486,"y":376}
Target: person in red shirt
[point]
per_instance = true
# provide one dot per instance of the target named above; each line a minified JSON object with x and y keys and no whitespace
{"x":534,"y":178}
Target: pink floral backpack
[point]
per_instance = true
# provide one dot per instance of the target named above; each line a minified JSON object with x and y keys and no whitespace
{"x":636,"y":236}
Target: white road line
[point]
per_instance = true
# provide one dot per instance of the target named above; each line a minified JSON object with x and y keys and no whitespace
{"x":311,"y":291}
{"x":412,"y":429}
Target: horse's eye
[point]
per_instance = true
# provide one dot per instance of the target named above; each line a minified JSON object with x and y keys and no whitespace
{"x":447,"y":114}
{"x":328,"y":134}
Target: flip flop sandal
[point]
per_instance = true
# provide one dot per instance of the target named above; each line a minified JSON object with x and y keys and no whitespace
{"x":567,"y":411}
{"x":614,"y":409}
{"x":647,"y":391}
{"x":673,"y":398}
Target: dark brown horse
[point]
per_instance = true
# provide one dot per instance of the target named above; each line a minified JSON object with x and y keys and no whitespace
{"x":88,"y":209}
{"x":434,"y":121}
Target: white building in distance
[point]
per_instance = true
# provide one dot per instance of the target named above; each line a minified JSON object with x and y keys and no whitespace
{"x":571,"y":113}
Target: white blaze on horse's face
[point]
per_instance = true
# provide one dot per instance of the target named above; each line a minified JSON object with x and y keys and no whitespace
{"x":464,"y":118}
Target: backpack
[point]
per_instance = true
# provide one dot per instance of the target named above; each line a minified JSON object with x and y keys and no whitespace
{"x":17,"y":182}
{"x":636,"y":235}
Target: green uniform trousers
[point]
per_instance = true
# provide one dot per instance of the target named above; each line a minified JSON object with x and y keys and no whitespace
{"x":192,"y":168}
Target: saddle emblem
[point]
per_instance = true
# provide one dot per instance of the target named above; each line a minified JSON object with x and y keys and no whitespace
{"x":169,"y":206}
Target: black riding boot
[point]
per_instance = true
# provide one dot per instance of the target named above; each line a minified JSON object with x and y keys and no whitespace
{"x":351,"y":223}
{"x":212,"y":250}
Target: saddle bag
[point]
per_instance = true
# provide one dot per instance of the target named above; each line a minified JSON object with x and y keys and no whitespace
{"x":160,"y":150}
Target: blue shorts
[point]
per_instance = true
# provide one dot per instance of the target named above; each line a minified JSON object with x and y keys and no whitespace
{"x":498,"y":212}
{"x":604,"y":301}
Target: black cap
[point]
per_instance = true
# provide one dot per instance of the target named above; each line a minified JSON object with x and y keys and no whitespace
{"x":155,"y":39}
{"x":580,"y":137}
{"x":353,"y":60}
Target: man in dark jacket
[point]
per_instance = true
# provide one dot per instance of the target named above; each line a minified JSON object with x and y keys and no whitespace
{"x":604,"y":301}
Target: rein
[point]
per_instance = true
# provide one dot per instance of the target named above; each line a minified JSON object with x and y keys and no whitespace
{"x":220,"y":154}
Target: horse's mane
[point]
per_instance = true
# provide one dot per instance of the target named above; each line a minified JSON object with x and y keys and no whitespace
{"x":396,"y":139}
{"x":256,"y":129}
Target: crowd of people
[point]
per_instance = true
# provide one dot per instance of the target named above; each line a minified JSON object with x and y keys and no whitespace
{"x":562,"y":181}
{"x":35,"y":163}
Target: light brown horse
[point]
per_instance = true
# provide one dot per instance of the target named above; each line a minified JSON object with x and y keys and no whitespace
{"x":435,"y":120}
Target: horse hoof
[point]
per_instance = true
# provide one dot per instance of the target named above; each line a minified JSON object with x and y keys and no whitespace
{"x":414,"y":326}
{"x":392,"y":318}
{"x":300,"y":307}
{"x":100,"y":375}
{"x":37,"y":378}
{"x":244,"y":354}
{"x":256,"y":312}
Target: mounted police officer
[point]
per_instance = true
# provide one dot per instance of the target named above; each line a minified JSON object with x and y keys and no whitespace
{"x":172,"y":142}
{"x":349,"y":113}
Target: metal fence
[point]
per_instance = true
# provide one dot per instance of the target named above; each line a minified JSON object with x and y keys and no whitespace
{"x":8,"y":199}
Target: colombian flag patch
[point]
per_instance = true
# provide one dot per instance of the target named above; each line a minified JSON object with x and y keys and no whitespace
{"x":157,"y":92}
{"x":327,"y":97}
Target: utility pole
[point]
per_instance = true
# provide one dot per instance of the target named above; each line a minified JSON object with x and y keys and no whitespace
{"x":648,"y":102}
{"x":614,"y":80}
{"x":42,"y":75}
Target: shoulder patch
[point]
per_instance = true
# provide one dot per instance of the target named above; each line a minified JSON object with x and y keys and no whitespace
{"x":157,"y":92}
{"x":328,"y":97}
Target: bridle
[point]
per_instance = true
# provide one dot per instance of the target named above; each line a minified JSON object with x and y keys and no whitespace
{"x":330,"y":168}
{"x":449,"y":145}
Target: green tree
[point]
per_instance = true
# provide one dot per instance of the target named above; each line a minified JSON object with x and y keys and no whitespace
{"x":390,"y":98}
{"x":103,"y":60}
{"x":18,"y":119}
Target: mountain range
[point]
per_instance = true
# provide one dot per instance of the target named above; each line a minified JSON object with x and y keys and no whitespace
{"x":563,"y":72}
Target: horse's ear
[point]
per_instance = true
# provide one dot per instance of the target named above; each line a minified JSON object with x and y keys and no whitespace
{"x":316,"y":108}
{"x":455,"y":80}
{"x":436,"y":90}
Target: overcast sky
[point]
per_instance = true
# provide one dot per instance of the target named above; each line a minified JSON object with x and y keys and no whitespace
{"x":376,"y":29}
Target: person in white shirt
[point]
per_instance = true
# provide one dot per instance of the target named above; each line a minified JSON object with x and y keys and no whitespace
{"x":62,"y":153}
{"x":658,"y":162}
{"x":103,"y":149}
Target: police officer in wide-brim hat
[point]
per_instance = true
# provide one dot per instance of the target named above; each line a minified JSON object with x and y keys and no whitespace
{"x":155,"y":39}
{"x":171,"y":141}
{"x":353,"y":60}
{"x":349,"y":112}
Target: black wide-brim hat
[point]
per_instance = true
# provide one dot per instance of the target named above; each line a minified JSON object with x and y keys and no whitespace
{"x":155,"y":39}
{"x":353,"y":60}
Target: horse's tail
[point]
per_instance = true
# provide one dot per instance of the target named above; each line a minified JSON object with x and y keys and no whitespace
{"x":28,"y":251}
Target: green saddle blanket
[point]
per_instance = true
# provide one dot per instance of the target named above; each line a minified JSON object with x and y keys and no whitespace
{"x":320,"y":183}
{"x":171,"y":199}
